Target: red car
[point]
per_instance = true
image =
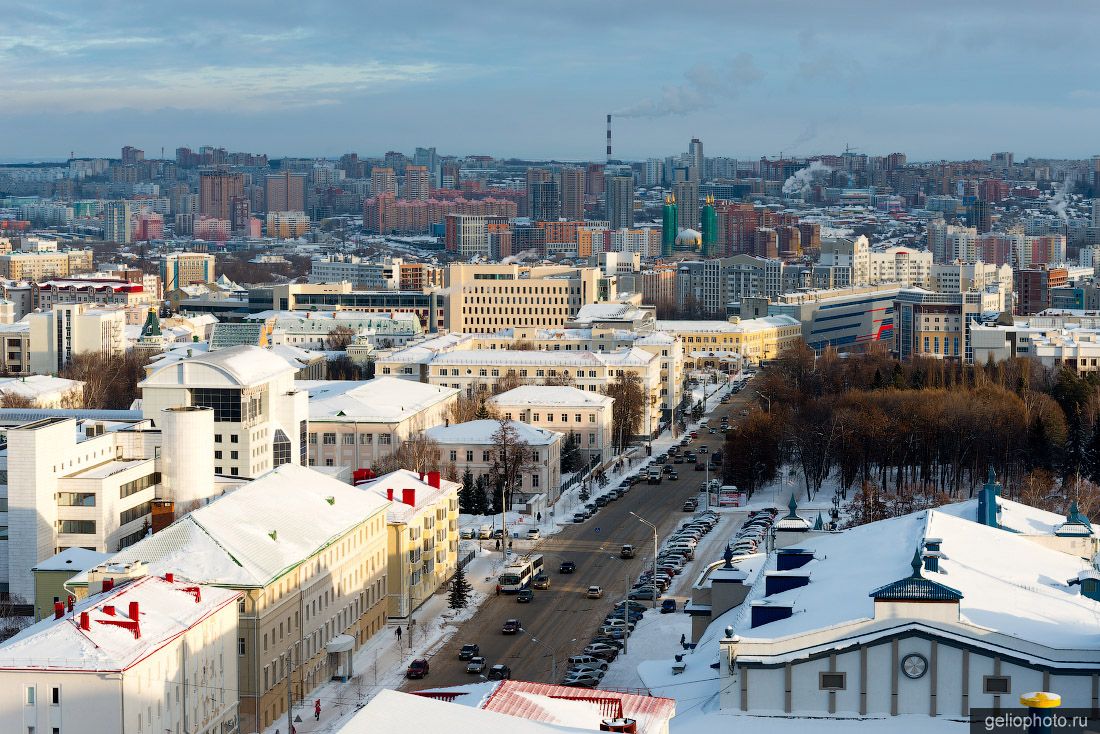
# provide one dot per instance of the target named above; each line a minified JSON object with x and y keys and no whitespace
{"x":417,"y":669}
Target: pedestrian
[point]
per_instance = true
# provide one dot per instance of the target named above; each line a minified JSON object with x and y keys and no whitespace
{"x":317,"y":710}
{"x":398,"y":633}
{"x":683,"y":641}
{"x":498,"y":589}
{"x":538,"y":517}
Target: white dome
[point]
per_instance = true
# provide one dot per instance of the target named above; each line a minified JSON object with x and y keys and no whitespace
{"x":689,"y":237}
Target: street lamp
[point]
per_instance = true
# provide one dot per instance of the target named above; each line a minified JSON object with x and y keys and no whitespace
{"x":552,"y":651}
{"x":762,"y":396}
{"x":654,"y":528}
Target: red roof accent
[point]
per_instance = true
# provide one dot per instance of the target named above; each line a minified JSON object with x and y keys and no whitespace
{"x":448,"y":696}
{"x":520,"y":698}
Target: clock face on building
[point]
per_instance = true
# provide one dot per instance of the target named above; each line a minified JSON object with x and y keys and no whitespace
{"x":914,"y":666}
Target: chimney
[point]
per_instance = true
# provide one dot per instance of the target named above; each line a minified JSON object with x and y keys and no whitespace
{"x":108,"y":584}
{"x":433,"y":479}
{"x":85,"y":622}
{"x":109,"y":610}
{"x":135,"y":611}
{"x":70,"y":601}
{"x":408,"y":496}
{"x":609,"y":138}
{"x":170,"y":577}
{"x":58,"y":610}
{"x":932,"y":554}
{"x":389,"y":494}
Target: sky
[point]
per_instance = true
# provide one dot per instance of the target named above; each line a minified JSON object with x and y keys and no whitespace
{"x":938,"y":79}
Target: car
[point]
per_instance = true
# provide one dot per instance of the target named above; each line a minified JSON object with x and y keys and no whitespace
{"x":678,"y":460}
{"x":581,"y":680}
{"x":525,"y":596}
{"x":615,"y":632}
{"x":500,"y":671}
{"x":743,"y":413}
{"x":417,"y":669}
{"x":594,"y":592}
{"x":567,"y":567}
{"x":511,"y":627}
{"x":476,"y":665}
{"x":602,"y":501}
{"x":602,"y":651}
{"x":611,"y":622}
{"x":469,"y":651}
{"x":661,"y":459}
{"x":627,"y":551}
{"x":587,"y":660}
{"x":541,"y":581}
{"x":668,"y":606}
{"x":466,"y":534}
{"x":667,"y":469}
{"x":673,"y":475}
{"x":690,"y":506}
{"x":485,"y":532}
{"x":631,"y":605}
{"x":533,"y":533}
{"x":654,"y":477}
{"x":702,"y":449}
{"x":587,"y":668}
{"x":591,"y":508}
{"x":712,"y":430}
{"x":605,"y":640}
{"x":644,"y":593}
{"x":695,"y":434}
{"x":579,"y":517}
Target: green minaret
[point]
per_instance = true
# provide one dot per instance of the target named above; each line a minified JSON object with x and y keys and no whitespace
{"x":668,"y":226}
{"x":710,"y":227}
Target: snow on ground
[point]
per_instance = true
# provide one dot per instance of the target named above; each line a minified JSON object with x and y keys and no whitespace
{"x":704,"y":722}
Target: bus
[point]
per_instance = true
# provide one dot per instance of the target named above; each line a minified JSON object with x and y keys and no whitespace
{"x":518,"y":574}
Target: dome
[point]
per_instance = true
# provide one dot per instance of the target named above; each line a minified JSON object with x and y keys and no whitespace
{"x":689,"y":238}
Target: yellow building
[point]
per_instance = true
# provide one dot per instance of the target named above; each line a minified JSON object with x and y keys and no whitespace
{"x":37,"y":266}
{"x":712,"y":343}
{"x":422,"y":536}
{"x":186,"y":268}
{"x":487,"y":298}
{"x":287,"y":225}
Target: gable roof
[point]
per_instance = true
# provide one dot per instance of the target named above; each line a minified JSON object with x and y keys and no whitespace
{"x":381,"y":400}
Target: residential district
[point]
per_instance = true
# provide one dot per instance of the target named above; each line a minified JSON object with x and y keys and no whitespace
{"x":412,"y":441}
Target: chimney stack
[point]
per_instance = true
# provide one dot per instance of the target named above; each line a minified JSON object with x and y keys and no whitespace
{"x":58,"y":610}
{"x":135,"y":611}
{"x":109,"y":610}
{"x":108,"y":584}
{"x":85,"y":622}
{"x":433,"y":479}
{"x":170,"y":577}
{"x":70,"y":602}
{"x":609,"y":138}
{"x":389,"y":494}
{"x":408,"y":496}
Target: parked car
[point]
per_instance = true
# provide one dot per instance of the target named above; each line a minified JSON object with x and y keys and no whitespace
{"x":511,"y":627}
{"x":567,"y":567}
{"x":581,"y":680}
{"x":466,"y":534}
{"x":586,"y":668}
{"x":525,"y":596}
{"x":417,"y":669}
{"x":500,"y":671}
{"x":541,"y":581}
{"x":643,"y":593}
{"x":485,"y":532}
{"x":476,"y":665}
{"x":604,"y":640}
{"x":469,"y":651}
{"x":690,"y":506}
{"x":594,"y":592}
{"x":533,"y":533}
{"x":587,"y":660}
{"x":579,"y":517}
{"x":668,"y":606}
{"x":602,"y":651}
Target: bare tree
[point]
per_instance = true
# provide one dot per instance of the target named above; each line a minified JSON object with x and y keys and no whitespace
{"x":509,"y":381}
{"x":523,"y":345}
{"x":511,"y":459}
{"x":418,"y":453}
{"x":110,"y":381}
{"x":339,"y":338}
{"x":629,"y":407}
{"x":15,"y":400}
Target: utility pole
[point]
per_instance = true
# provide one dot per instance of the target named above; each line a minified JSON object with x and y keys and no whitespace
{"x":654,"y":527}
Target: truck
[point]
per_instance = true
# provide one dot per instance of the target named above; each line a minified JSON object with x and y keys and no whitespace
{"x":653,"y":475}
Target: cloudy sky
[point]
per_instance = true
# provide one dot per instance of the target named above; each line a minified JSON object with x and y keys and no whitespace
{"x":935,"y":79}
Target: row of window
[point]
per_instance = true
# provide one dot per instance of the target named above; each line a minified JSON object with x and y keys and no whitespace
{"x":129,"y":488}
{"x":994,"y":685}
{"x":329,"y":439}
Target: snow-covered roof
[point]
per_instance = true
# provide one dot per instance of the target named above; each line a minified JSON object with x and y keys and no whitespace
{"x":575,"y":707}
{"x":396,"y":482}
{"x":1009,"y":584}
{"x":381,"y":400}
{"x":244,"y":364}
{"x":540,"y":395}
{"x":74,"y":559}
{"x":38,"y":387}
{"x":255,"y":534}
{"x":392,"y":711}
{"x":166,"y":609}
{"x":424,"y":351}
{"x":633,"y":356}
{"x":481,"y":433}
{"x":1014,"y":516}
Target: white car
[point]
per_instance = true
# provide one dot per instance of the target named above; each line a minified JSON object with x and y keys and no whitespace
{"x":594,"y":592}
{"x":533,"y":534}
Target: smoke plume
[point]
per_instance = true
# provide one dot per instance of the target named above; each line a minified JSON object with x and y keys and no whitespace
{"x":1059,"y":203}
{"x":703,"y":85}
{"x":803,"y":179}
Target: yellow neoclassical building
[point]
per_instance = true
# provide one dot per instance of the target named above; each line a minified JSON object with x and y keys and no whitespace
{"x":711,"y":343}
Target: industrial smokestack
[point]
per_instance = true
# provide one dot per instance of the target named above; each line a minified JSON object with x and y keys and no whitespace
{"x":609,"y":138}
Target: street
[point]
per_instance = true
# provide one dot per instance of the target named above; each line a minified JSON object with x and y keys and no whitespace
{"x":561,"y":620}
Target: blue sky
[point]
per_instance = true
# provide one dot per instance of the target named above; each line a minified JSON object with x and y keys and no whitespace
{"x":935,"y":79}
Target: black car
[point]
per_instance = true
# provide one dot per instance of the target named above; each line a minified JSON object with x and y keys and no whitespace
{"x":499,"y":672}
{"x":567,"y":567}
{"x":468,"y":652}
{"x":511,"y":627}
{"x":525,"y":596}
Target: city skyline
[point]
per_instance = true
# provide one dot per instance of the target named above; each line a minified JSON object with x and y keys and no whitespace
{"x":536,"y":82}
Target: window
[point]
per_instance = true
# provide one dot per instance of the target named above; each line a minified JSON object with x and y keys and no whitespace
{"x":535,"y":417}
{"x":469,"y":456}
{"x":76,"y":499}
{"x":329,"y":439}
{"x":313,"y":438}
{"x":29,"y":698}
{"x":55,"y":696}
{"x":280,"y":448}
{"x":349,"y":438}
{"x":134,"y":513}
{"x":233,"y":438}
{"x":384,"y":439}
{"x":454,"y":456}
{"x":534,"y":456}
{"x":233,"y":455}
{"x":832,"y":681}
{"x":217,"y":438}
{"x":217,"y":454}
{"x":578,"y":417}
{"x":485,"y":456}
{"x":80,"y":527}
{"x":996,"y":684}
{"x":534,"y":480}
{"x":366,"y":438}
{"x":226,"y":402}
{"x":137,"y":485}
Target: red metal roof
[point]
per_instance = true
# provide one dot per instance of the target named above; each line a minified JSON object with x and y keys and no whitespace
{"x":536,"y":702}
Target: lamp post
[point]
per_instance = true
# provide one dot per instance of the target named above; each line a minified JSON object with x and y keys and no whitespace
{"x":765,"y":397}
{"x":553,"y":655}
{"x":654,"y":528}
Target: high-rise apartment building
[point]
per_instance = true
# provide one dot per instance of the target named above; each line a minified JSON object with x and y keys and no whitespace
{"x":217,"y":189}
{"x":418,"y":183}
{"x":534,"y":176}
{"x":544,"y":201}
{"x":468,"y":234}
{"x":383,"y":181}
{"x":285,"y":192}
{"x":620,"y":200}
{"x":695,"y":155}
{"x":687,"y":201}
{"x":117,"y":226}
{"x":572,"y":193}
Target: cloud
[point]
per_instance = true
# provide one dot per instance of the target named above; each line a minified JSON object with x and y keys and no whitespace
{"x":242,"y":88}
{"x":703,"y":85}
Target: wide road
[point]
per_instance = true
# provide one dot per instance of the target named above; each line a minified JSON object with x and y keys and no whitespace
{"x":561,"y":618}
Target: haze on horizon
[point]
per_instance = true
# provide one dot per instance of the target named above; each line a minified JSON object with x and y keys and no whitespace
{"x":935,"y":80}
